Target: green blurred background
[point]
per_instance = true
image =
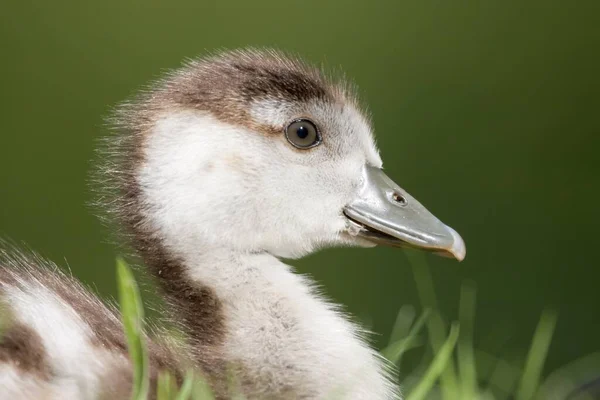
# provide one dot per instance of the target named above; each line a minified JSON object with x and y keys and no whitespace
{"x":487,"y":112}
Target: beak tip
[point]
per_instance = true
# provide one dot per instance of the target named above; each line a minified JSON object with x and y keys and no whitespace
{"x":458,"y":248}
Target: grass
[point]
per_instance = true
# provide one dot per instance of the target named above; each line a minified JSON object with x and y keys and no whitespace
{"x":452,"y":373}
{"x":132,"y":315}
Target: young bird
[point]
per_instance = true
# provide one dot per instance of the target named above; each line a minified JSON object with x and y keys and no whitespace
{"x":218,"y":171}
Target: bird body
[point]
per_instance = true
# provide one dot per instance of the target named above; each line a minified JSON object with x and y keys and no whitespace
{"x":217,"y":172}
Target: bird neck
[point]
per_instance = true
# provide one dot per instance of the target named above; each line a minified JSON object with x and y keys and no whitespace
{"x":251,"y":312}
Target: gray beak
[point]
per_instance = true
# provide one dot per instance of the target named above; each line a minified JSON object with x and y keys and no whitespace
{"x":383,"y":213}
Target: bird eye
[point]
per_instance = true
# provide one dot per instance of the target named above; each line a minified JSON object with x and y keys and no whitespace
{"x":303,"y":134}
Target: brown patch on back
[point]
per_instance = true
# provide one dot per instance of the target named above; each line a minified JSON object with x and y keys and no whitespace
{"x":22,"y":347}
{"x":24,"y":271}
{"x":107,"y":328}
{"x":117,"y":383}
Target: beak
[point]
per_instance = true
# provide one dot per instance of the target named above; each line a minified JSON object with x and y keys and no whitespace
{"x":383,"y":213}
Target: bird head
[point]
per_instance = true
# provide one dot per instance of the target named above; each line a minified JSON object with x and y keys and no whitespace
{"x":260,"y":152}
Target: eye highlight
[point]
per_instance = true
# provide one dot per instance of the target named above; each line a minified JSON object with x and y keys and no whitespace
{"x":303,"y":134}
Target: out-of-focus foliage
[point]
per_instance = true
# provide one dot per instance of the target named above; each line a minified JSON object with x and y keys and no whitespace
{"x":487,"y":112}
{"x":435,"y":379}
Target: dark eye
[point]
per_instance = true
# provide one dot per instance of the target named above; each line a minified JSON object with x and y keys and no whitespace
{"x":303,"y":134}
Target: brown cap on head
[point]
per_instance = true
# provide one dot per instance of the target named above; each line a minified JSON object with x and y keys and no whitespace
{"x":226,"y":84}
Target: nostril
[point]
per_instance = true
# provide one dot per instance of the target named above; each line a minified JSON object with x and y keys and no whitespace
{"x":398,"y":198}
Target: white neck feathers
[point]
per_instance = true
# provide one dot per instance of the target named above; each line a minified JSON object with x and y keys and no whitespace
{"x":283,"y":336}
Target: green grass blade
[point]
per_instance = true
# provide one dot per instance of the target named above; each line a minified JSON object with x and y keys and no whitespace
{"x":393,"y":353}
{"x":465,"y":351}
{"x":395,"y":350}
{"x":164,"y":387}
{"x":186,"y":388}
{"x":403,"y":323}
{"x":233,"y":385}
{"x":437,"y":367}
{"x":132,"y":314}
{"x":536,"y":357}
{"x":201,"y":389}
{"x":435,"y":324}
{"x":502,"y":377}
